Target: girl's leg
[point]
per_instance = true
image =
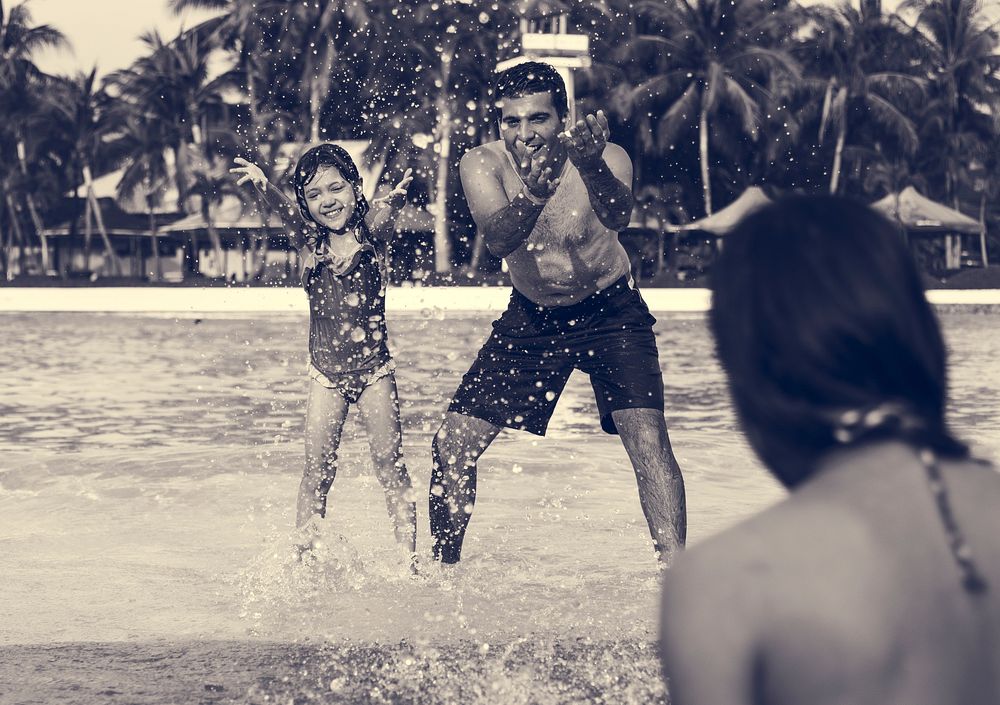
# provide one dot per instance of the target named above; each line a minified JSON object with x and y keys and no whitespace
{"x":379,"y":406}
{"x":324,"y":421}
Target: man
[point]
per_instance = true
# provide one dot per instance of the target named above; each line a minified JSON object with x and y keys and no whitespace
{"x":551,"y":203}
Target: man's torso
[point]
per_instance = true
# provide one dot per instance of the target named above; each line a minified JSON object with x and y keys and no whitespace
{"x":569,"y":254}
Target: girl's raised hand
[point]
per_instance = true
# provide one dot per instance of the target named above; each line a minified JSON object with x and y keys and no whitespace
{"x":397,"y":196}
{"x":248,"y":171}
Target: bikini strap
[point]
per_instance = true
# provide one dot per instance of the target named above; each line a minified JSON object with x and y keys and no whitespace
{"x":853,"y":424}
{"x":972,"y":579}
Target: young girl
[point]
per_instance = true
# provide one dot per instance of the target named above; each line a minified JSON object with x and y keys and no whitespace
{"x":344,"y":277}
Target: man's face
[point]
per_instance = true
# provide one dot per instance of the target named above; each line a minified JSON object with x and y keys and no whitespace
{"x":528,"y":123}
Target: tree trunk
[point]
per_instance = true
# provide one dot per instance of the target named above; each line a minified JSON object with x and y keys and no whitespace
{"x":87,"y":234}
{"x":318,"y":78}
{"x":155,"y":240}
{"x":838,"y":156}
{"x":213,"y":234}
{"x":116,"y":267}
{"x":16,"y":226}
{"x":254,"y":141}
{"x":4,"y":252}
{"x":982,"y":230}
{"x":35,"y":219}
{"x":706,"y":183}
{"x":181,"y":177}
{"x":442,"y":242}
{"x":478,"y":246}
{"x":319,"y":89}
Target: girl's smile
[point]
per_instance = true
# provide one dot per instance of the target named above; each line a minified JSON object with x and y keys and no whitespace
{"x":330,"y":198}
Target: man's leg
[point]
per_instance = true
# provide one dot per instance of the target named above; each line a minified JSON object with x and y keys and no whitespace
{"x":661,"y":487}
{"x":457,"y":446}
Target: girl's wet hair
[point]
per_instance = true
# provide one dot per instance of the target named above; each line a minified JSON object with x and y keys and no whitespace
{"x":327,"y":155}
{"x":819,"y":318}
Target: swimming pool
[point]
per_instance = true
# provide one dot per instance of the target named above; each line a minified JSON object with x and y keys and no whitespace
{"x":148,"y":469}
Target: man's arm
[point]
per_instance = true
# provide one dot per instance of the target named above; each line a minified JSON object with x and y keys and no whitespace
{"x":505,"y":224}
{"x":605,"y":169}
{"x":606,"y":181}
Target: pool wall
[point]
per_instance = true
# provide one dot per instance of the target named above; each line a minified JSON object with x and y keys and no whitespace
{"x":291,"y":300}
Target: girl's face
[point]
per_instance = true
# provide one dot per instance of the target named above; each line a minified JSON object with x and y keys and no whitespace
{"x":330,"y":198}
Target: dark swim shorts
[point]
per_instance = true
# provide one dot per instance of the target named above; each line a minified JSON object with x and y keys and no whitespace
{"x":520,"y":372}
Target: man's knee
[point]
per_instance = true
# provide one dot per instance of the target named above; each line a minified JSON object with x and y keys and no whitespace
{"x":644,"y":432}
{"x":451,"y":449}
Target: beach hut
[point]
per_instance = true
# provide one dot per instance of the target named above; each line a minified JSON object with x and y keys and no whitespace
{"x":723,"y":221}
{"x":919,"y":215}
{"x":128,"y":241}
{"x":236,"y":241}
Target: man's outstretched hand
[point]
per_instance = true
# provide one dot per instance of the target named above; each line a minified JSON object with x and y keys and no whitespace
{"x":585,"y":141}
{"x":535,"y":173}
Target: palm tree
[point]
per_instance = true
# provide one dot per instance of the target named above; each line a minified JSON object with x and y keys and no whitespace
{"x":139,"y":145}
{"x":714,"y":56}
{"x":244,"y":28}
{"x":171,"y":85}
{"x":84,"y":123}
{"x":19,"y":40}
{"x":965,"y":90}
{"x":315,"y":33}
{"x":455,"y":49}
{"x":848,"y":52}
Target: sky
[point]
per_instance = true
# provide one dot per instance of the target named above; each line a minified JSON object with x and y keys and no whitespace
{"x":106,"y":32}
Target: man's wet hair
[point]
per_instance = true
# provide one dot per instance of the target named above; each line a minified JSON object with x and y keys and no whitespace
{"x":327,"y":155}
{"x":822,"y":325}
{"x":532,"y":77}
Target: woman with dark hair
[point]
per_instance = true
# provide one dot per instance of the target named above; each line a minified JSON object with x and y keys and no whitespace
{"x":878,"y":579}
{"x":343,"y":275}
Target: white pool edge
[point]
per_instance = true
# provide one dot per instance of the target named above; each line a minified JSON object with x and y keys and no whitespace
{"x":292,"y":300}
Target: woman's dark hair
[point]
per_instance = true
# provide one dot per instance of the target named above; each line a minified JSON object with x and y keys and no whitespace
{"x":327,"y":155}
{"x":533,"y":77}
{"x":821,"y":322}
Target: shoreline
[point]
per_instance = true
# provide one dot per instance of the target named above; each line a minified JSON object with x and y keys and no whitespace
{"x":399,"y":299}
{"x":535,"y":668}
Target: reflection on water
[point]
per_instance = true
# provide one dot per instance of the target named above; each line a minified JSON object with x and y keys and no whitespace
{"x":148,"y":469}
{"x":74,"y":382}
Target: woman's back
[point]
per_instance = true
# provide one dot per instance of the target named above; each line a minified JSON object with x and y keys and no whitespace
{"x":889,"y":618}
{"x":850,"y":591}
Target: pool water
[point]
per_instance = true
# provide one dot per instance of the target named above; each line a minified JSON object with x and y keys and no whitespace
{"x":148,"y":471}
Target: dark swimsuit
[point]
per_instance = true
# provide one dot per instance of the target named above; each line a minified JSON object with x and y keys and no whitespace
{"x":347,"y":333}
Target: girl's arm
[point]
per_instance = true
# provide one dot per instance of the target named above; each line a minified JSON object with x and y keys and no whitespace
{"x":295,"y":225}
{"x":382,"y":219}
